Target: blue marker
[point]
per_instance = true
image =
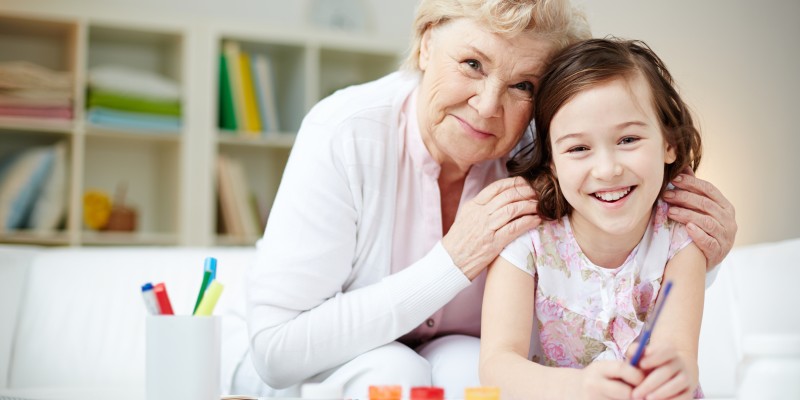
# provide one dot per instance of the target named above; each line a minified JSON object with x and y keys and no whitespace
{"x":211,"y":265}
{"x":648,"y":331}
{"x":150,"y":299}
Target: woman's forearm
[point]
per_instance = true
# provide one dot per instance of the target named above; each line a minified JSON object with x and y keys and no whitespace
{"x":292,"y":338}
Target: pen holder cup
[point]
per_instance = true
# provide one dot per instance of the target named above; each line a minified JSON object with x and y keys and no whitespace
{"x":182,"y":357}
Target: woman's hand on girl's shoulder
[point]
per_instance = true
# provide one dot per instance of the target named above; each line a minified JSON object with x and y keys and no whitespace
{"x":497,"y":215}
{"x":667,"y":373}
{"x":605,"y":380}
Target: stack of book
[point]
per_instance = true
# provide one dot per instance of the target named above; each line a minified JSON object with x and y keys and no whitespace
{"x":247,"y":103}
{"x":33,"y":188}
{"x":239,"y":208}
{"x":126,"y":98}
{"x":33,"y":91}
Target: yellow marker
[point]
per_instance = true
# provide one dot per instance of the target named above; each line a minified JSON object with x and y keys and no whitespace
{"x":210,"y":298}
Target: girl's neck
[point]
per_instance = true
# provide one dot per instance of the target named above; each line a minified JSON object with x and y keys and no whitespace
{"x":605,"y":249}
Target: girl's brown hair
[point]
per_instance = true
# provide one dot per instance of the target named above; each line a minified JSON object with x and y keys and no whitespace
{"x":580,"y":67}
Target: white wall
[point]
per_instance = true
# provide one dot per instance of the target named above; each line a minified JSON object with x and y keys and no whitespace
{"x":736,"y":63}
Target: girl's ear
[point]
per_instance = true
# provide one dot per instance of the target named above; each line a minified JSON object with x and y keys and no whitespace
{"x":669,"y":153}
{"x":553,"y":169}
{"x":425,"y":49}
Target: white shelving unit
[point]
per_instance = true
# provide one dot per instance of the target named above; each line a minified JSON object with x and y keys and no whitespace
{"x":170,"y":176}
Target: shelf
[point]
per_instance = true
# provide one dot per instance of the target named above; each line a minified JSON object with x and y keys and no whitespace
{"x":37,"y":125}
{"x":270,"y":140}
{"x":45,"y":238}
{"x":170,"y":176}
{"x":128,"y":239}
{"x":132,"y":134}
{"x":229,"y":240}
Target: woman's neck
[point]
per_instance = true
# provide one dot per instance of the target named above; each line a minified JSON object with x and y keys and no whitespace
{"x":605,"y":249}
{"x":451,"y":186}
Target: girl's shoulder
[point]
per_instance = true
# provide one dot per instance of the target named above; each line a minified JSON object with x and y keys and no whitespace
{"x":678,"y":234}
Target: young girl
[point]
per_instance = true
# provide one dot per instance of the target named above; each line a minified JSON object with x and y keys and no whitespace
{"x":611,"y":132}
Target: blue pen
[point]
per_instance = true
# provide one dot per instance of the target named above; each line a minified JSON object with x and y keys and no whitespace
{"x":648,"y":331}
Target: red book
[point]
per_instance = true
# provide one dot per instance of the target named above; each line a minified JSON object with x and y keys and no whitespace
{"x":163,"y":299}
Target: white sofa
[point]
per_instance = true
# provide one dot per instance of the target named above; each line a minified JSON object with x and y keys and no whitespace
{"x":72,"y":319}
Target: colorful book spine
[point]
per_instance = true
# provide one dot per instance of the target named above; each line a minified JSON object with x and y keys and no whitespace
{"x":252,"y":120}
{"x":231,"y":50}
{"x":263,"y":68}
{"x":227,"y":111}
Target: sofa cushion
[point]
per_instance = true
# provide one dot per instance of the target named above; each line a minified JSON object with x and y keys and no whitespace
{"x":82,"y":319}
{"x":14,"y":263}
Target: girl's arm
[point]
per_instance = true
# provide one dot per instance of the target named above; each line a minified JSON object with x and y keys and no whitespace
{"x":670,"y":360}
{"x":506,"y":328}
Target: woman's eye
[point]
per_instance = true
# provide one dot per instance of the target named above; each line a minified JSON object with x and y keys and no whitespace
{"x":474,"y":64}
{"x":629,"y":140}
{"x":524,"y":86}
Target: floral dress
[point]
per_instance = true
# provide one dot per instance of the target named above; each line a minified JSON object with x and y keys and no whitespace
{"x":585,"y":312}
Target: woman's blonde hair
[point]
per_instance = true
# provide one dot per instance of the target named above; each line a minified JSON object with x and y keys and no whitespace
{"x":554,"y":20}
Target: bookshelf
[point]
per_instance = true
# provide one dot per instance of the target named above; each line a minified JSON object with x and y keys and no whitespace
{"x":171,"y":175}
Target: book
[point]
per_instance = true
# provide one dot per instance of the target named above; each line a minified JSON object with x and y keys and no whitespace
{"x":252,"y":120}
{"x":234,"y":197}
{"x":231,"y":50}
{"x":227,"y":113}
{"x":265,"y":78}
{"x":227,"y":202}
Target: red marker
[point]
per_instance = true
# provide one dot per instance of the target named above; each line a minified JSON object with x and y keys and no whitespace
{"x":163,"y":299}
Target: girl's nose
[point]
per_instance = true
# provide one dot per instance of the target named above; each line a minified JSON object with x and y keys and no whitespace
{"x":487,"y":99}
{"x":606,"y":167}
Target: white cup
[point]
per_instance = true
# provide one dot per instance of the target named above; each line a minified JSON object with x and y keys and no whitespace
{"x":182,"y":357}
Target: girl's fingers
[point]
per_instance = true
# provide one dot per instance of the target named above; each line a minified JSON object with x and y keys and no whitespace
{"x":677,"y":387}
{"x":656,"y":379}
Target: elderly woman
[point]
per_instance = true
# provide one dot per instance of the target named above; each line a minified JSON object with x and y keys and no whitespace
{"x":393,"y":203}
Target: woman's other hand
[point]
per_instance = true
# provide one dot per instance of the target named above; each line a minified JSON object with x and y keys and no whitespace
{"x":709,"y":217}
{"x":500,"y":213}
{"x":668,"y":374}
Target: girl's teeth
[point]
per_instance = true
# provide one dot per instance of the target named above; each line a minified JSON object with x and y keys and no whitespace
{"x":612,"y":196}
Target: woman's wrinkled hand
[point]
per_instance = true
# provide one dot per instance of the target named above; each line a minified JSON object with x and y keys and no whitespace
{"x":709,"y":217}
{"x":485,"y":225}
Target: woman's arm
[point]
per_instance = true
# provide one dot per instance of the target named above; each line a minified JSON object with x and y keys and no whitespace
{"x":304,"y":313}
{"x":506,"y":328}
{"x":670,"y":360}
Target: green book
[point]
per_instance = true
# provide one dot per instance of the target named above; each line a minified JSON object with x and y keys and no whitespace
{"x":227,"y":114}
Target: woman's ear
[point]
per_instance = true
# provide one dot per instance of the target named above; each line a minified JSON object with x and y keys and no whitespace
{"x":425,"y":49}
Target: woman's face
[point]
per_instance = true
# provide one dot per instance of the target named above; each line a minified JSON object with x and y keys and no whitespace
{"x":476,"y":94}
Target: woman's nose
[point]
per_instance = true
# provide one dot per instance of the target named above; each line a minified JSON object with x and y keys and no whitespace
{"x":487,"y":100}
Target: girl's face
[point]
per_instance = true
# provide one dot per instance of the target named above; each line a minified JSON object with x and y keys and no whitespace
{"x":476,"y":93}
{"x":609,"y":156}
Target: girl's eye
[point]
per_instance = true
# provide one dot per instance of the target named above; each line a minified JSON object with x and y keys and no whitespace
{"x":629,"y":140}
{"x":577,"y":149}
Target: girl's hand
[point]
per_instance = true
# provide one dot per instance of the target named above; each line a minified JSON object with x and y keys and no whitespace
{"x":604,"y":380}
{"x":485,"y":225}
{"x":709,"y":217}
{"x":668,"y":376}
